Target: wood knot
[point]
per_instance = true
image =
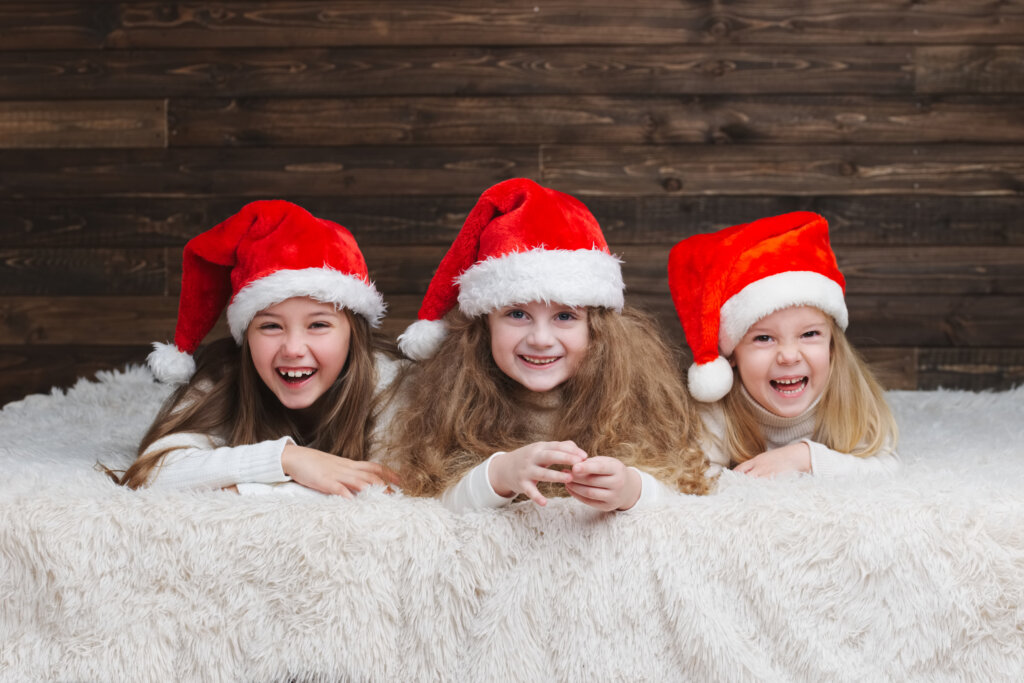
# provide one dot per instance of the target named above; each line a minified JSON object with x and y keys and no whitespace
{"x":672,"y":184}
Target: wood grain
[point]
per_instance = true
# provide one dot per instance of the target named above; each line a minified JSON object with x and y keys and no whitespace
{"x":234,"y":23}
{"x":590,"y":120}
{"x":810,"y":170}
{"x":127,"y":222}
{"x":321,"y":72}
{"x":83,"y":123}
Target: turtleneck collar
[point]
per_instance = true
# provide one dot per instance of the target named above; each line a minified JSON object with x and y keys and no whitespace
{"x":766,"y":417}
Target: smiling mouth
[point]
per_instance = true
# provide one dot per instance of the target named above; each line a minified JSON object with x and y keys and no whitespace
{"x":540,"y":361}
{"x":295,"y":376}
{"x":789,"y":387}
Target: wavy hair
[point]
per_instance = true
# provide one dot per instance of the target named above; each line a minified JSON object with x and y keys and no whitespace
{"x":625,"y":400}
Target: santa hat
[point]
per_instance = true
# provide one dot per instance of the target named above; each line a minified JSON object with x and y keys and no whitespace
{"x":724,"y":282}
{"x":267,"y":252}
{"x":520,"y":243}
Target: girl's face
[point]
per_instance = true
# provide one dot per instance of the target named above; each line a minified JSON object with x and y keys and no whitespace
{"x":539,"y":345}
{"x":299,"y":348}
{"x":783,"y":359}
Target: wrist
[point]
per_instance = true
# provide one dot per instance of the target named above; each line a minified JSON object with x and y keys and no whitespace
{"x":632,"y":490}
{"x":495,"y":472}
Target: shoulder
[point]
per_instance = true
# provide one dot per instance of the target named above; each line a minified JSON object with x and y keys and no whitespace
{"x":387,"y":368}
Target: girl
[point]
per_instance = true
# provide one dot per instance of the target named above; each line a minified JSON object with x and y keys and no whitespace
{"x":768,"y":296}
{"x":538,"y":376}
{"x":273,"y":408}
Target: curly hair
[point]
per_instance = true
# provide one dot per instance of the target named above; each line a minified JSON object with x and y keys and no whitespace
{"x":625,"y":400}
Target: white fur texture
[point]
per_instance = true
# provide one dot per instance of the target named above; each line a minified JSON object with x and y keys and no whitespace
{"x":422,"y":338}
{"x":710,"y":381}
{"x":323,"y":284}
{"x":919,"y":577}
{"x":170,"y":364}
{"x":773,"y":293}
{"x":581,"y":277}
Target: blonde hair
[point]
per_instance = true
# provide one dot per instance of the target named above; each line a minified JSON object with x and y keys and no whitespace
{"x":227,"y":397}
{"x":852,"y":417}
{"x":625,"y":400}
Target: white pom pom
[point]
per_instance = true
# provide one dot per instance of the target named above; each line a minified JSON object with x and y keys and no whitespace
{"x":170,"y":365}
{"x":422,"y":339}
{"x":711,"y":381}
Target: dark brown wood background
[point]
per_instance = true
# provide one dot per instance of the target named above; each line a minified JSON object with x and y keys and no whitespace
{"x":128,"y":127}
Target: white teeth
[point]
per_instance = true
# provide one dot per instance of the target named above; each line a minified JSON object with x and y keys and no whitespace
{"x":295,"y":374}
{"x":538,"y":361}
{"x":788,"y":381}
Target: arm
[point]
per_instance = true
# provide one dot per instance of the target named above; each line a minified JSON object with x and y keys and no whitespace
{"x":816,"y":458}
{"x":830,"y":464}
{"x":500,"y":478}
{"x":197,"y":462}
{"x":474,"y":491}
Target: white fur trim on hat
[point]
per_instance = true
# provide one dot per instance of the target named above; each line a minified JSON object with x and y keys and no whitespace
{"x":580,"y":277}
{"x":422,"y":339}
{"x":773,"y":293}
{"x":711,"y":381}
{"x":170,"y":364}
{"x":326,"y":285}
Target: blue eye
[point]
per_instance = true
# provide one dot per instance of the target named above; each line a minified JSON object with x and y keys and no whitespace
{"x":812,"y":333}
{"x":270,"y":326}
{"x":565,"y":316}
{"x":516,"y":314}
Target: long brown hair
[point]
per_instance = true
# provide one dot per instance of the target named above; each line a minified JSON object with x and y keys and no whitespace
{"x":626,"y":400}
{"x":853,"y":416}
{"x":226,"y":397}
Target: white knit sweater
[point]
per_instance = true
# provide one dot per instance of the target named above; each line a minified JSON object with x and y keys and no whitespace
{"x":204,"y":461}
{"x":782,"y":431}
{"x":474,"y":490}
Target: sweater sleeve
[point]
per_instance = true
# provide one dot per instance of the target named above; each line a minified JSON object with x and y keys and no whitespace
{"x":474,"y":491}
{"x":197,"y":461}
{"x":652,"y":492}
{"x":831,"y":464}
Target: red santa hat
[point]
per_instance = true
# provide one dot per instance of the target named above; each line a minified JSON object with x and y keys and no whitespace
{"x":724,"y":282}
{"x":267,"y":252}
{"x":520,"y":243}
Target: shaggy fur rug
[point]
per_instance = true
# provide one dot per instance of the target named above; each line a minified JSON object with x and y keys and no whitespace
{"x":918,"y":577}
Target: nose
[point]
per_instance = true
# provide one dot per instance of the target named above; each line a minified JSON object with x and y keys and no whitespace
{"x":788,"y":353}
{"x":293,"y":345}
{"x":540,"y":335}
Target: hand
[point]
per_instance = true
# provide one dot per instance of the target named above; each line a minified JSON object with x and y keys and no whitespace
{"x":329,"y":473}
{"x":519,"y":471}
{"x":605,"y":483}
{"x":795,"y":457}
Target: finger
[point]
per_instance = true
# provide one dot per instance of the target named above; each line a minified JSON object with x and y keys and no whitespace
{"x":598,"y":466}
{"x":545,"y":474}
{"x":391,"y":476}
{"x":591,"y":493}
{"x":580,"y":495}
{"x":557,"y":456}
{"x":571,"y":447}
{"x":340,"y":489}
{"x":533,"y":494}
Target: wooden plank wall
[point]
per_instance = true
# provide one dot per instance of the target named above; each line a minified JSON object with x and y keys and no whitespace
{"x":128,"y":127}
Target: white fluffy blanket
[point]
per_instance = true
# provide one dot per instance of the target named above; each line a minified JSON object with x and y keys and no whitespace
{"x":918,"y":577}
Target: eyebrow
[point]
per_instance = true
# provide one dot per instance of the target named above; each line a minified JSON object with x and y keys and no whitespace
{"x":325,"y":311}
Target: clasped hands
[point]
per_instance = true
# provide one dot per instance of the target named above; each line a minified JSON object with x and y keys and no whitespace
{"x":601,"y":482}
